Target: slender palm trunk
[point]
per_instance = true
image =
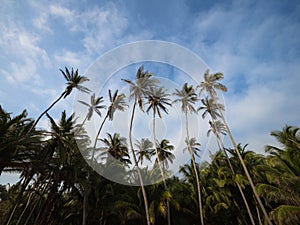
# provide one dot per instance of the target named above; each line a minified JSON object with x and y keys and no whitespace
{"x":84,"y":206}
{"x":97,"y":136}
{"x":137,"y":166}
{"x":245,"y":170}
{"x":233,"y":173}
{"x":81,"y":125}
{"x":195,"y":169}
{"x":43,"y":113}
{"x":18,"y":199}
{"x":160,"y":167}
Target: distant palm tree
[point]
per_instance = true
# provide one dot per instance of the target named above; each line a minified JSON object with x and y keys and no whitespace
{"x":116,"y":146}
{"x":210,"y":85}
{"x":117,"y":102}
{"x":139,"y":89}
{"x":187,"y":97}
{"x":94,"y":106}
{"x":74,"y":80}
{"x":165,"y":155}
{"x":158,"y":100}
{"x":145,"y":150}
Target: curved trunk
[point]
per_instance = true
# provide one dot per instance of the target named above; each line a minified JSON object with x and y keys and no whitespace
{"x":160,"y":167}
{"x":195,"y":169}
{"x":233,"y":173}
{"x":97,"y":136}
{"x":43,"y":113}
{"x":137,"y":166}
{"x":246,"y":170}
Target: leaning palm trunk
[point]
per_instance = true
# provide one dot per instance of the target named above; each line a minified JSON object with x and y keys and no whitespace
{"x":97,"y":136}
{"x":233,"y":173}
{"x":137,"y":166}
{"x":160,"y":168}
{"x":195,"y":169}
{"x":18,"y":199}
{"x":245,"y":169}
{"x":43,"y":113}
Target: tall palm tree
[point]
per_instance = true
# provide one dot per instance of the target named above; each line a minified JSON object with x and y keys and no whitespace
{"x":74,"y":80}
{"x":139,"y":89}
{"x":144,"y":150}
{"x":210,"y":85}
{"x":117,"y":102}
{"x":188,"y":97}
{"x":217,"y":127}
{"x":158,"y":101}
{"x":94,"y":106}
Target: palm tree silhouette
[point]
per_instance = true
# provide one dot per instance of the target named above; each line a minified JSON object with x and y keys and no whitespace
{"x":187,"y":97}
{"x":158,"y":101}
{"x":117,"y":102}
{"x":210,"y":85}
{"x":217,"y":127}
{"x":74,"y":80}
{"x":138,"y":90}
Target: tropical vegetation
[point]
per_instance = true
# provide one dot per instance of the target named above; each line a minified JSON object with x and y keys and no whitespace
{"x":58,"y":186}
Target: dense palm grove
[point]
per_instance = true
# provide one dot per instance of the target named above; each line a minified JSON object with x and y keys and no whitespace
{"x":57,"y":186}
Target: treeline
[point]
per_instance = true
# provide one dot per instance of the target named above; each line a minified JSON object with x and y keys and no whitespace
{"x":58,"y":186}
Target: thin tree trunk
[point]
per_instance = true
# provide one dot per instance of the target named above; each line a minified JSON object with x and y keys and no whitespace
{"x":97,"y":136}
{"x":137,"y":166}
{"x":246,"y":170}
{"x":85,"y":201}
{"x":160,"y":168}
{"x":43,"y":113}
{"x":195,"y":169}
{"x":18,"y":199}
{"x":233,"y":173}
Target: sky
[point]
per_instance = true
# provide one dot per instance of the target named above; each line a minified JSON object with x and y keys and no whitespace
{"x":255,"y":44}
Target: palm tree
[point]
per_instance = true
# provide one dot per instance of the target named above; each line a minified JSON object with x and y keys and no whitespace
{"x":283,"y":172}
{"x":217,"y":127}
{"x":74,"y":80}
{"x":116,"y":146}
{"x":165,"y":155}
{"x":145,"y":150}
{"x":188,"y":98}
{"x":158,"y":100}
{"x":139,"y":90}
{"x":210,"y":85}
{"x":117,"y":102}
{"x":94,"y":106}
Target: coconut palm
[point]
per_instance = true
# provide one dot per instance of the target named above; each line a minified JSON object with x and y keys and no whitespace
{"x":210,"y":85}
{"x":74,"y":80}
{"x":158,"y":101}
{"x":117,"y":102}
{"x":165,"y":156}
{"x":144,"y":150}
{"x":194,"y":146}
{"x":217,"y":127}
{"x":139,"y":89}
{"x":94,"y":106}
{"x":116,"y":146}
{"x":187,"y":97}
{"x":283,"y":183}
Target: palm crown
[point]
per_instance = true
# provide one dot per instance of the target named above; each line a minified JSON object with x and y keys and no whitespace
{"x":74,"y":80}
{"x":187,"y":97}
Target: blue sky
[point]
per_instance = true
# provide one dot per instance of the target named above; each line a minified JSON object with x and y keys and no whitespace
{"x":255,"y":44}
